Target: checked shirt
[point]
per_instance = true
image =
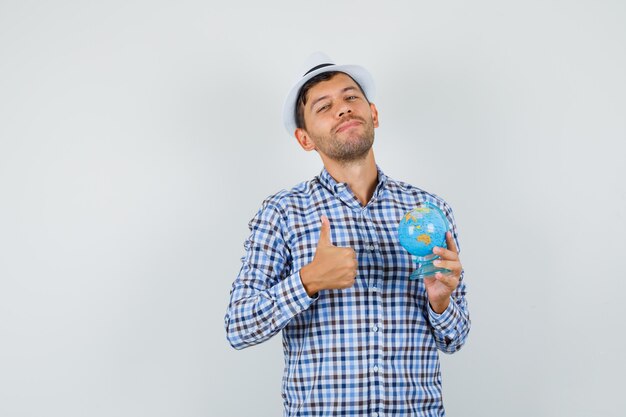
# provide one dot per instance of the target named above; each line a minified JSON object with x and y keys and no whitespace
{"x":369,"y":350}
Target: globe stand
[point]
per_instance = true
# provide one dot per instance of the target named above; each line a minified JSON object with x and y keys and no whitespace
{"x":425,"y":268}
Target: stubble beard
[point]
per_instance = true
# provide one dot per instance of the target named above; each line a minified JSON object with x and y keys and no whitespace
{"x":352,"y":147}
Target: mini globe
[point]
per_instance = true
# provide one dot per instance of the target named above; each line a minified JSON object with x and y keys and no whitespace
{"x":419,"y":231}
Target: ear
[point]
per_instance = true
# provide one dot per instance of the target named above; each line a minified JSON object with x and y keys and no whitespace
{"x":374,"y":114}
{"x":304,"y":140}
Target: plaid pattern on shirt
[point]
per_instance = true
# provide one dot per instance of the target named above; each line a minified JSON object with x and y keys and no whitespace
{"x":369,"y":350}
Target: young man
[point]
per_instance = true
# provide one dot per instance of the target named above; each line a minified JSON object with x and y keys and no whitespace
{"x":324,"y":265}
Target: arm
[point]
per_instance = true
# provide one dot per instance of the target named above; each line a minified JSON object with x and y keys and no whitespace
{"x":451,"y":327}
{"x":266,"y":294}
{"x":447,"y":308}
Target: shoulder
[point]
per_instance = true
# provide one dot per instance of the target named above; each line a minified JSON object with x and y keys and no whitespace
{"x":400,"y":193}
{"x":414,"y":195}
{"x":286,"y":201}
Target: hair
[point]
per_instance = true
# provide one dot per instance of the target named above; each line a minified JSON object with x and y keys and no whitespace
{"x":304,"y":90}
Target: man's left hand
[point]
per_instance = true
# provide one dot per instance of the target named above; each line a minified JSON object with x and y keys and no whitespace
{"x":440,"y":286}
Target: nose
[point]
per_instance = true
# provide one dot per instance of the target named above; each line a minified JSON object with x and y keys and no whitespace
{"x":344,"y":110}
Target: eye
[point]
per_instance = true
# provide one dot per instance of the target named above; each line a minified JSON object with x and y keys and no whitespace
{"x":351,"y":98}
{"x":322,"y":108}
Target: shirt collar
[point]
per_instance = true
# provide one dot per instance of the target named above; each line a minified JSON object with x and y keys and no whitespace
{"x":338,"y":187}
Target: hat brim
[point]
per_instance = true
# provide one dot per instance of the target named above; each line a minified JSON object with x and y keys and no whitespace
{"x":358,"y":74}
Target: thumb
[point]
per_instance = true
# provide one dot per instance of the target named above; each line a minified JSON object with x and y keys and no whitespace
{"x":324,"y":233}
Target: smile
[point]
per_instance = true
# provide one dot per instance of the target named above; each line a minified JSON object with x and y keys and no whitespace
{"x":347,"y":125}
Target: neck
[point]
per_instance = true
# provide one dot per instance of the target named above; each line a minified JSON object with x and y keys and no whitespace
{"x":361,"y":175}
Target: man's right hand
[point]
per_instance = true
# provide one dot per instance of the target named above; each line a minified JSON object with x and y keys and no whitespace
{"x":331,"y":268}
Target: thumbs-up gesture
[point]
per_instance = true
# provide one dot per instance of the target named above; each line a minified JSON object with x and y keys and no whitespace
{"x":332,"y":267}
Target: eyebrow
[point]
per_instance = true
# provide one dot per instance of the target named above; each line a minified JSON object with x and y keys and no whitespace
{"x":314,"y":102}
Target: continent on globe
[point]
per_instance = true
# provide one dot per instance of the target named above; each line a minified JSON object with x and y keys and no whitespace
{"x":424,"y":238}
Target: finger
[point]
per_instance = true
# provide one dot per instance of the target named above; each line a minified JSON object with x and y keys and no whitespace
{"x":449,"y":280}
{"x":454,"y":266}
{"x":353,"y":264}
{"x":429,"y":279}
{"x":324,"y":233}
{"x":451,"y":243}
{"x":446,"y":253}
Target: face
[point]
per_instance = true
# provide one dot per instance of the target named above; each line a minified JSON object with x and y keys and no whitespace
{"x":339,"y":122}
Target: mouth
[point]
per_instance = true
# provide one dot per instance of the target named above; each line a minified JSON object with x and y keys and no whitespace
{"x":347,"y":125}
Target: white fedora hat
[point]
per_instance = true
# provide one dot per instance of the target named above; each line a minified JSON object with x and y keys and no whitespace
{"x":317,"y":64}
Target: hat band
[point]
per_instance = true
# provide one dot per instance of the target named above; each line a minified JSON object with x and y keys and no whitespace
{"x":317,"y":67}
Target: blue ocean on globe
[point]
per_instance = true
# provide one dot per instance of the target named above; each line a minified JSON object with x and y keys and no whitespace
{"x":421,"y":229}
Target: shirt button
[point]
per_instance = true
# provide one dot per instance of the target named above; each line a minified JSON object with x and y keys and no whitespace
{"x":375,"y":368}
{"x":375,"y":328}
{"x":371,"y":247}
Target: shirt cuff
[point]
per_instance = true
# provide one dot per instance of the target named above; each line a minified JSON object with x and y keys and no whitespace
{"x":446,"y":319}
{"x":292,"y":295}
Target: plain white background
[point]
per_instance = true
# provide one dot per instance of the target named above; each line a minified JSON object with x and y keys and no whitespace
{"x":138,"y":138}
